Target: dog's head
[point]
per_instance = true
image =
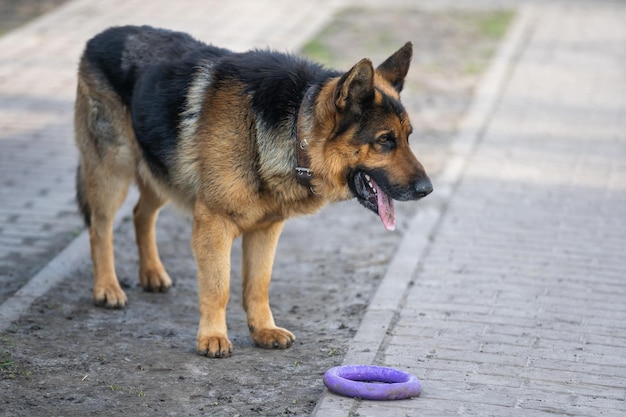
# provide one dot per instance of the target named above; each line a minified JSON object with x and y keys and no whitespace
{"x":369,"y":144}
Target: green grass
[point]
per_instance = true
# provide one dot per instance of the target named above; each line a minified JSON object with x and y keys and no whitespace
{"x":495,"y":25}
{"x":7,"y":363}
{"x":127,"y":390}
{"x":490,"y":24}
{"x":6,"y":360}
{"x":474,"y":68}
{"x":9,"y":367}
{"x":315,"y":50}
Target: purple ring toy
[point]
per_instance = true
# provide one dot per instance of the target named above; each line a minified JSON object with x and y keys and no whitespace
{"x":372,"y":382}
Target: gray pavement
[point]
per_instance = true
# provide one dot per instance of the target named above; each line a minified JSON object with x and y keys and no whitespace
{"x":513,"y":304}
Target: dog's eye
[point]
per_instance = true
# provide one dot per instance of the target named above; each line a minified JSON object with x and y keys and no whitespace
{"x":386,"y":141}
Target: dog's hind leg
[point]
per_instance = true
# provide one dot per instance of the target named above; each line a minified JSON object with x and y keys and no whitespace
{"x":105,"y":171}
{"x":105,"y":194}
{"x":152,"y":274}
{"x":259,"y":248}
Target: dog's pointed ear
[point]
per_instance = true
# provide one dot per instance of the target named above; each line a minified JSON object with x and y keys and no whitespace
{"x":395,"y":68}
{"x":355,"y":86}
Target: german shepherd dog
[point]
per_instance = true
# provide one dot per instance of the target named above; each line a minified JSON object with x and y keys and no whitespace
{"x":241,"y":140}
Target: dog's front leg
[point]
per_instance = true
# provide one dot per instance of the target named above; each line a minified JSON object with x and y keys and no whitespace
{"x":259,"y":247}
{"x":212,"y":240}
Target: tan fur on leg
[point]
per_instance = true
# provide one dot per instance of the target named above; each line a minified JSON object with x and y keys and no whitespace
{"x":259,"y":248}
{"x":212,"y":241}
{"x":152,"y":274}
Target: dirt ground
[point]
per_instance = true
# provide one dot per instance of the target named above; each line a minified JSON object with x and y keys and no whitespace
{"x":67,"y":357}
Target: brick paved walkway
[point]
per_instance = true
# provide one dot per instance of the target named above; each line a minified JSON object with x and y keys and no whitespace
{"x":518,"y":307}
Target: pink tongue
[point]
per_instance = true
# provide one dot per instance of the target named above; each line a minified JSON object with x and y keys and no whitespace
{"x":386,"y":211}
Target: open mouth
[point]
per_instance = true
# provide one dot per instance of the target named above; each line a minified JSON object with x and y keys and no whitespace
{"x":371,"y":196}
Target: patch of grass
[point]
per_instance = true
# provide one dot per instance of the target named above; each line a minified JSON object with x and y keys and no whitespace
{"x":9,"y":367}
{"x":315,"y":50}
{"x":474,"y":67}
{"x":127,"y":390}
{"x":331,"y":351}
{"x":6,"y":360}
{"x":380,"y":41}
{"x":495,"y":24}
{"x":476,"y":32}
{"x":492,"y":25}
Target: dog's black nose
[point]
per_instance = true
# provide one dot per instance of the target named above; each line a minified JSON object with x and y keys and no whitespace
{"x":423,"y":187}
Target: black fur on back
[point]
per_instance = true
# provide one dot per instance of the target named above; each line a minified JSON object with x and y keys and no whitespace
{"x":123,"y":53}
{"x":152,"y":70}
{"x":275,"y":81}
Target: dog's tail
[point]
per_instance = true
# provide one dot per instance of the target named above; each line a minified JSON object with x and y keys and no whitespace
{"x":81,"y":196}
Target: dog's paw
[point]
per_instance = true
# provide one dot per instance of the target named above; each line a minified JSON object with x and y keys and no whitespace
{"x":216,"y":346}
{"x":109,"y":296}
{"x":273,"y":338}
{"x":155,"y":280}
